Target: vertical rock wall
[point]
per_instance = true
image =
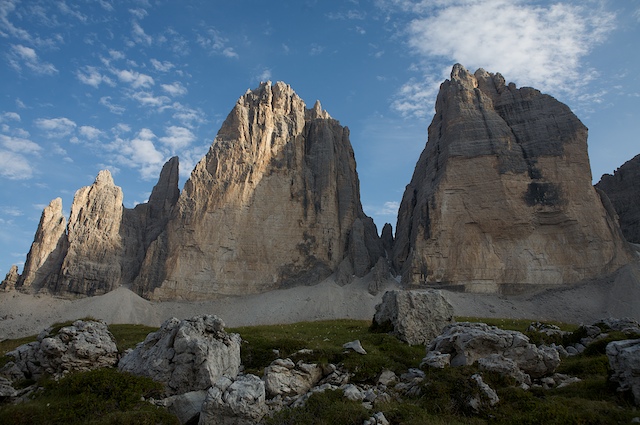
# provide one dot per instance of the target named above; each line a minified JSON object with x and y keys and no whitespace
{"x":501,"y":195}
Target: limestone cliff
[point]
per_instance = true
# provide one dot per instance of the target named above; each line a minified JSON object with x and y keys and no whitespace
{"x":103,"y":244}
{"x":274,"y":203}
{"x":502,"y":194}
{"x":623,"y":189}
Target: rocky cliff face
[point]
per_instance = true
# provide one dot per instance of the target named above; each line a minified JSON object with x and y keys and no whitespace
{"x":623,"y":189}
{"x":104,"y":243}
{"x":502,"y":194}
{"x":274,"y":203}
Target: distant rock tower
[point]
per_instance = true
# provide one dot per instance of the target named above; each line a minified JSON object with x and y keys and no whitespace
{"x":501,"y":196}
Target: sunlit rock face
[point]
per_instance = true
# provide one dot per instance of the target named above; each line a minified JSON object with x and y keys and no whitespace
{"x":274,"y":203}
{"x":501,"y":196}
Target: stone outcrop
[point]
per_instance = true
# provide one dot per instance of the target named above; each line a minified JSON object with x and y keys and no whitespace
{"x":502,"y":194}
{"x":48,"y":247}
{"x":285,"y":378}
{"x":624,"y":360}
{"x":467,"y":343}
{"x":186,"y":355}
{"x":415,"y":317}
{"x":239,"y":402}
{"x":274,"y":203}
{"x":10,"y":280}
{"x":623,"y":190}
{"x":104,"y":243}
{"x":83,"y":346}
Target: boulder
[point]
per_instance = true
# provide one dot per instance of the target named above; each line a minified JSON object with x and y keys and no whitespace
{"x":501,"y":197}
{"x":239,"y":402}
{"x":470,"y":342}
{"x":185,"y":406}
{"x":83,"y":346}
{"x":624,"y":360}
{"x":283,"y":377}
{"x":415,"y":317}
{"x":505,"y":367}
{"x":186,"y":355}
{"x":486,"y":398}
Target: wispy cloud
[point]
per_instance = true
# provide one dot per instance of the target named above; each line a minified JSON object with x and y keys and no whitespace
{"x":177,"y":137}
{"x":530,"y":44}
{"x":136,"y":79}
{"x":55,"y":127}
{"x":112,"y":107}
{"x":91,"y":75}
{"x":71,"y":11}
{"x":216,"y":43}
{"x":164,"y":66}
{"x":148,"y":99}
{"x":140,"y":153}
{"x":139,"y":36}
{"x":20,"y":56}
{"x":19,"y":145}
{"x":15,"y":166}
{"x":10,"y":116}
{"x":175,"y":89}
{"x":90,"y":132}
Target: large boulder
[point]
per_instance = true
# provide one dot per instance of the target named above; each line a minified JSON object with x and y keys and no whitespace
{"x":415,"y":317}
{"x":239,"y":402}
{"x":186,"y":355}
{"x":502,"y":196}
{"x":624,"y":359}
{"x":283,"y":377}
{"x":470,"y":342}
{"x":83,"y":346}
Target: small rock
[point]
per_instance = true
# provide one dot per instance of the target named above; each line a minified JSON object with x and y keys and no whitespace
{"x":355,"y":346}
{"x":353,"y":393}
{"x":487,"y":395}
{"x":387,"y":377}
{"x":436,"y":359}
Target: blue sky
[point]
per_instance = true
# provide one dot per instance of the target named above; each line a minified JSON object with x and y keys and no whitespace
{"x":124,"y":85}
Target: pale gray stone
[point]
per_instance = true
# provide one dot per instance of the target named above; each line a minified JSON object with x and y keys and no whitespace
{"x":242,"y":402}
{"x":415,"y":316}
{"x":436,"y":359}
{"x":83,"y":346}
{"x":469,"y":342}
{"x":487,"y":396}
{"x":281,"y":379}
{"x":355,"y":346}
{"x":186,"y":355}
{"x":624,"y":360}
{"x":185,"y":406}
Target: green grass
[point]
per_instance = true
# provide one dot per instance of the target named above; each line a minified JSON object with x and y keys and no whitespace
{"x":109,"y":397}
{"x":103,"y":396}
{"x":326,"y":338}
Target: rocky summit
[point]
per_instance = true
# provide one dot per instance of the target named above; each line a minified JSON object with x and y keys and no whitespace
{"x":623,"y":189}
{"x":501,"y":196}
{"x":274,"y":203}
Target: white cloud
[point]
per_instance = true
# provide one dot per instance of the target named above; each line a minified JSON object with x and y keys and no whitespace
{"x":10,"y":116}
{"x":15,"y":166}
{"x":163,"y":66}
{"x":348,"y":15}
{"x":316,"y":49}
{"x":64,"y":8}
{"x":148,"y":99}
{"x":19,"y":145}
{"x":115,"y":109}
{"x":90,"y":132}
{"x":216,"y":43}
{"x":139,"y":35}
{"x":26,"y":56}
{"x":91,"y":76}
{"x":188,"y":116}
{"x":12,"y":211}
{"x":141,"y":153}
{"x":175,"y":89}
{"x":106,"y":5}
{"x":116,"y":54}
{"x":56,"y":127}
{"x":139,"y":13}
{"x":389,"y":208}
{"x":177,"y":137}
{"x":536,"y":46}
{"x":532,"y":45}
{"x":136,"y":79}
{"x":265,"y":75}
